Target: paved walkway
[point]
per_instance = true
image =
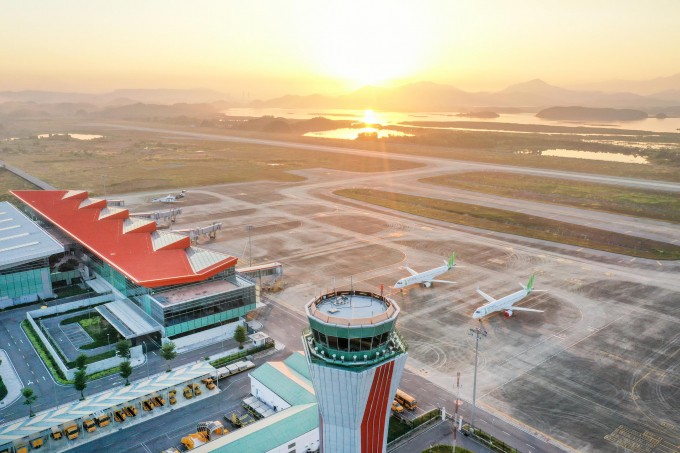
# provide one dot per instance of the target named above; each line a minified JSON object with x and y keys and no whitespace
{"x":11,"y":380}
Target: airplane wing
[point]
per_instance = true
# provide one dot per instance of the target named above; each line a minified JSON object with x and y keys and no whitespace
{"x":485,"y":295}
{"x":440,"y":281}
{"x":411,"y":270}
{"x":525,"y":309}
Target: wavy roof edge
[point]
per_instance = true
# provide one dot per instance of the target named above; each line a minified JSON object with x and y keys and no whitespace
{"x":188,"y":268}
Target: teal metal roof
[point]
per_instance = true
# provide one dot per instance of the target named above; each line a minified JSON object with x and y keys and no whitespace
{"x":23,"y":427}
{"x":291,"y":386}
{"x":298,"y":362}
{"x":268,"y":433}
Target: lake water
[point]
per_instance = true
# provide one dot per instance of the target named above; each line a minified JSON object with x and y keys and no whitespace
{"x":590,"y":155}
{"x":387,"y":118}
{"x":351,"y":134}
{"x":74,"y":136}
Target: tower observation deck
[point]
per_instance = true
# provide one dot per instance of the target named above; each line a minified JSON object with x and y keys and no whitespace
{"x":356,"y":359}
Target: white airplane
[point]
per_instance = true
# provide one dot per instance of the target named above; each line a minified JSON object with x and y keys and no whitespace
{"x":167,"y":199}
{"x":506,"y":304}
{"x":170,"y":198}
{"x":428,"y":277}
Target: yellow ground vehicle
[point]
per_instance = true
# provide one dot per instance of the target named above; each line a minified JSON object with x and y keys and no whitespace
{"x":22,"y":448}
{"x":36,"y":443}
{"x":209,"y":383}
{"x":88,"y":425}
{"x":147,"y":405}
{"x":103,"y":420}
{"x":56,"y":433}
{"x":197,"y":389}
{"x":396,"y":407}
{"x":71,"y":431}
{"x":130,"y":411}
{"x":171,"y":397}
{"x":119,"y":416}
{"x":406,"y":400}
{"x":194,"y":440}
{"x":188,"y":394}
{"x":159,"y":401}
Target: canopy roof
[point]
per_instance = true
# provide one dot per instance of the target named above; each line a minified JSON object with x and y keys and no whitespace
{"x":132,"y":246}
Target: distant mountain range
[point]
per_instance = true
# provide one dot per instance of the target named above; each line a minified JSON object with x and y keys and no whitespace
{"x":118,"y":97}
{"x":661,"y":95}
{"x":427,"y":96}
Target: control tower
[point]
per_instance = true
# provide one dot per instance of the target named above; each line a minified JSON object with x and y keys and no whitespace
{"x":356,"y":359}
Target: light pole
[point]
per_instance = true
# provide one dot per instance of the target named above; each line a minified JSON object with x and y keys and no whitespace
{"x":250,"y":245}
{"x":146,"y":357}
{"x":476,"y":332}
{"x":108,"y":339}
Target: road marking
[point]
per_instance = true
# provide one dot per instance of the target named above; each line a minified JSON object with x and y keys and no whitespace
{"x":44,"y":379}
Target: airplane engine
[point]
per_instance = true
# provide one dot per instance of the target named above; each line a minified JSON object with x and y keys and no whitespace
{"x":427,"y":284}
{"x":507,"y":313}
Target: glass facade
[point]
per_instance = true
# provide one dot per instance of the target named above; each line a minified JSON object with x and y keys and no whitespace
{"x":25,"y":280}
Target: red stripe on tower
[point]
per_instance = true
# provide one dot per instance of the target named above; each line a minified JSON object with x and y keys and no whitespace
{"x":373,"y":423}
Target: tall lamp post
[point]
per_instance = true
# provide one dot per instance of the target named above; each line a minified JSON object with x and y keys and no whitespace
{"x":477,"y":332}
{"x":250,"y":245}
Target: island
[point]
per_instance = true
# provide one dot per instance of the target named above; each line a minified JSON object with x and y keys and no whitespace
{"x":478,"y":115}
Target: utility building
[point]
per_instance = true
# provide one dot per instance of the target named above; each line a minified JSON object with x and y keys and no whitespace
{"x":356,"y":359}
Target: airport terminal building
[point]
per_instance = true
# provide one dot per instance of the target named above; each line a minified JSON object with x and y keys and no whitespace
{"x":162,"y":283}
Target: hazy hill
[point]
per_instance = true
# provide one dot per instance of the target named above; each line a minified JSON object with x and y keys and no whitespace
{"x":117,"y":97}
{"x":644,"y":87}
{"x":428,"y":96}
{"x":591,"y":114}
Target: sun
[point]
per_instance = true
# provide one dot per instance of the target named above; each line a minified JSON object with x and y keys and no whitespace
{"x":370,"y":117}
{"x":374,"y":44}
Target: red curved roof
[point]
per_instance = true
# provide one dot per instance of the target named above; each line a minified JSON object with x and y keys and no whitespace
{"x":102,"y":230}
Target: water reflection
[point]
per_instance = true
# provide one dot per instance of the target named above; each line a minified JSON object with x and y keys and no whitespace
{"x":74,"y":136}
{"x":352,"y":134}
{"x":609,"y":157}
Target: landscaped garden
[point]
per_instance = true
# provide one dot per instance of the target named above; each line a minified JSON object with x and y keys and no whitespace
{"x":98,"y":328}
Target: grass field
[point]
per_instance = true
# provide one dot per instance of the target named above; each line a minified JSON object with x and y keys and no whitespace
{"x":516,"y":223}
{"x":601,"y":197}
{"x":9,"y":180}
{"x":128,"y":161}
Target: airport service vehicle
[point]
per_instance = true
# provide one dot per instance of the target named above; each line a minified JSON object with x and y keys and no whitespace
{"x":56,"y":433}
{"x":428,"y":277}
{"x":396,"y":407}
{"x":209,"y":383}
{"x":406,"y":400}
{"x":71,"y":431}
{"x":172,"y":397}
{"x":102,"y":420}
{"x":88,"y":425}
{"x":505,"y":304}
{"x":233,"y":368}
{"x":205,"y":432}
{"x":130,"y":411}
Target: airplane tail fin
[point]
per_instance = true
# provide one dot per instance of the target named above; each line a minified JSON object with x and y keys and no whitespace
{"x":530,"y":284}
{"x":452,"y":260}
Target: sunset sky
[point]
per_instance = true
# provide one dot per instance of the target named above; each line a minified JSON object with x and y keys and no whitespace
{"x":271,"y":48}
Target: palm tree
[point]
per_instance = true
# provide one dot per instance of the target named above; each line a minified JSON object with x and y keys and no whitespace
{"x":29,"y":399}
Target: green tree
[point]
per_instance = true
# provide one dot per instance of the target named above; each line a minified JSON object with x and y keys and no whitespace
{"x":81,"y":362}
{"x":123,"y":349}
{"x":168,"y":352}
{"x":241,"y":336}
{"x":80,"y":382}
{"x":125,"y":370}
{"x":29,"y":399}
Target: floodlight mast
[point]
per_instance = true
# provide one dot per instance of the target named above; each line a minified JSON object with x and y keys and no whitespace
{"x":477,"y":332}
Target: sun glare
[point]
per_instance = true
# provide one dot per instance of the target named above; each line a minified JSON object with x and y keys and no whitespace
{"x":370,"y":117}
{"x":375,"y":44}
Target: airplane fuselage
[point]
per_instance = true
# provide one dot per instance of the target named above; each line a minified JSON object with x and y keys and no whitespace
{"x":423,"y":277}
{"x":504,"y":303}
